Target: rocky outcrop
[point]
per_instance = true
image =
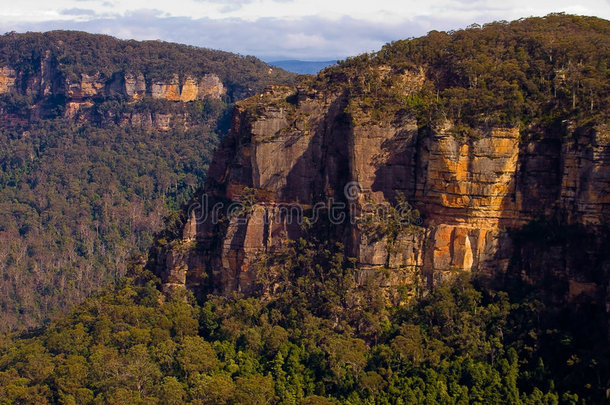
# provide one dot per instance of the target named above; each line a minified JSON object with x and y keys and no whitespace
{"x":190,"y":90}
{"x":7,"y":79}
{"x":135,"y":85}
{"x":478,"y":195}
{"x":208,"y":86}
{"x":97,"y":80}
{"x":86,"y":86}
{"x":80,"y":92}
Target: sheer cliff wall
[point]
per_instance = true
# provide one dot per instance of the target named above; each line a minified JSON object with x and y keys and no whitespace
{"x":487,"y":201}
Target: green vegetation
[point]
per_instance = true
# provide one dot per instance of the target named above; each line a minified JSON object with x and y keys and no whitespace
{"x":75,"y":53}
{"x":78,"y":197}
{"x":533,"y":71}
{"x":77,"y":202}
{"x":320,"y":338}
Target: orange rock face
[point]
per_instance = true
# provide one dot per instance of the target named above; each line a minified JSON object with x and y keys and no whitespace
{"x":190,"y":90}
{"x":134,"y":86}
{"x":474,"y":194}
{"x":80,"y":91}
{"x":209,"y":86}
{"x":7,"y":79}
{"x":73,"y":107}
{"x":86,"y":87}
{"x":167,"y":90}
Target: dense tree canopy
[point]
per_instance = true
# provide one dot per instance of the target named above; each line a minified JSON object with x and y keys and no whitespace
{"x":75,"y":53}
{"x":529,"y":71}
{"x":312,"y":332}
{"x":343,"y":344}
{"x":77,"y":202}
{"x":80,"y":196}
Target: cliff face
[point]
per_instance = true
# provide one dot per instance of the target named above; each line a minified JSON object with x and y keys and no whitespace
{"x":479,"y":196}
{"x":84,"y":91}
{"x":483,"y":151}
{"x":109,"y":134}
{"x":100,"y":80}
{"x":133,"y":86}
{"x":7,"y":79}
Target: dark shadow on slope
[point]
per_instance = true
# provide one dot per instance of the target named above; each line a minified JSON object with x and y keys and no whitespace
{"x":321,"y":173}
{"x":565,"y":261}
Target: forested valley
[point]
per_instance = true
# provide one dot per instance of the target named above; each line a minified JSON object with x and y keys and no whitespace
{"x":80,"y":193}
{"x":83,"y":200}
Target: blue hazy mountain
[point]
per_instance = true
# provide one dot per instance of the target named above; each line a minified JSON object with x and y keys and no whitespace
{"x":303,"y":66}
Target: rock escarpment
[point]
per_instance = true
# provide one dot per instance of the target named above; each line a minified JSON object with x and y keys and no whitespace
{"x":507,"y":165}
{"x":299,"y":148}
{"x":80,"y":93}
{"x":108,"y":134}
{"x":131,"y":85}
{"x":98,"y":79}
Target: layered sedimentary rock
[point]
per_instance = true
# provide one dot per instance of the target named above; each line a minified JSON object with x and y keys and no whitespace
{"x":135,"y":85}
{"x":83,"y":91}
{"x":131,"y":85}
{"x":478,"y":195}
{"x":86,"y":86}
{"x":7,"y":79}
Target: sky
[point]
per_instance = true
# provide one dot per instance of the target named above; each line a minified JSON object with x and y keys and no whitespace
{"x":277,"y":29}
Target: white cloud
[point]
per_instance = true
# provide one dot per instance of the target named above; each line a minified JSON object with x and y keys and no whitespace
{"x":307,"y":29}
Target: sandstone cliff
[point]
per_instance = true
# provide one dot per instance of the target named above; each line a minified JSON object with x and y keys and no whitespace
{"x":133,"y":86}
{"x":101,"y":80}
{"x":81,"y":92}
{"x":482,"y":197}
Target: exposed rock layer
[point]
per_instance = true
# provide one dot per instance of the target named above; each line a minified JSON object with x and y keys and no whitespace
{"x":301,"y":148}
{"x":78,"y":95}
{"x":133,"y":86}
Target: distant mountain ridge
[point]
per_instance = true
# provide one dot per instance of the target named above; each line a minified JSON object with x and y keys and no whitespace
{"x":303,"y":67}
{"x":98,"y":138}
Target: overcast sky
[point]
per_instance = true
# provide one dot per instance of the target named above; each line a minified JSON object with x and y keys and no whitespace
{"x":277,"y":29}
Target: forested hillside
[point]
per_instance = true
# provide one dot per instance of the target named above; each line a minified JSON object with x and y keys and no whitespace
{"x":467,"y":263}
{"x":319,"y":339}
{"x":530,"y":71}
{"x":75,"y":53}
{"x":484,"y":131}
{"x":92,"y":160}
